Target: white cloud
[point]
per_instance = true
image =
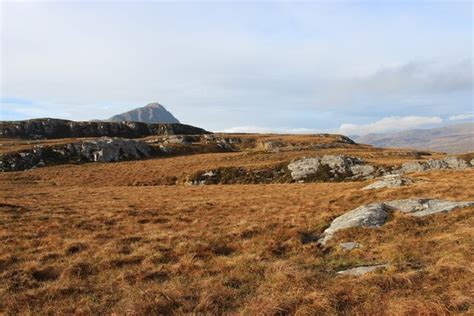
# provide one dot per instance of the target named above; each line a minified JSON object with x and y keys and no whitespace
{"x":388,"y":124}
{"x":461,"y":117}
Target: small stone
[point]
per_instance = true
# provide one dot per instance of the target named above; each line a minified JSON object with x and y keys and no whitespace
{"x":362,"y":270}
{"x":347,"y":246}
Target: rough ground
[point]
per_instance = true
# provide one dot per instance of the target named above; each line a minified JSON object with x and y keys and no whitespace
{"x":132,"y":238}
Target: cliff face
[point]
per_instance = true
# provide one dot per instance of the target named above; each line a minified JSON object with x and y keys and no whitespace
{"x":56,"y":128}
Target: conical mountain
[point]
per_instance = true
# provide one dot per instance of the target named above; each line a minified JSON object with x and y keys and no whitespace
{"x":151,"y":113}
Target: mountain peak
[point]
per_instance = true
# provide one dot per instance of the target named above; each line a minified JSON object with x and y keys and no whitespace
{"x":154,"y":105}
{"x":150,"y":113}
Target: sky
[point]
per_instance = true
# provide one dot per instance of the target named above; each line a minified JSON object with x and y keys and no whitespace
{"x":352,"y":67}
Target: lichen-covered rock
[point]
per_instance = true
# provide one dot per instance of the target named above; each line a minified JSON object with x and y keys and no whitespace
{"x":372,"y":215}
{"x":362,"y":270}
{"x":99,"y":150}
{"x":389,"y":181}
{"x":329,"y":167}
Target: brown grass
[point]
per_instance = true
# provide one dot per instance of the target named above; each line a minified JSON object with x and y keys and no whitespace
{"x":86,"y":239}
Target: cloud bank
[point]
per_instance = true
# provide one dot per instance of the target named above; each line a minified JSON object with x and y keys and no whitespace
{"x":462,"y":117}
{"x":389,"y":124}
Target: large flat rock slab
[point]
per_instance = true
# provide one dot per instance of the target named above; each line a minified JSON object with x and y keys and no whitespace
{"x":376,"y":214}
{"x":371,"y":215}
{"x":424,"y":207}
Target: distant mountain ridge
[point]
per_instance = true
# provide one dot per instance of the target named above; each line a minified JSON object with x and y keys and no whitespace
{"x":451,"y":139}
{"x":153,"y":113}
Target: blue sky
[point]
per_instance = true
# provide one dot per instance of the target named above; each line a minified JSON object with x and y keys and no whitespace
{"x":349,"y":66}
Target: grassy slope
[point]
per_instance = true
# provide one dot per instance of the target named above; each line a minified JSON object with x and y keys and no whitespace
{"x":85,"y":238}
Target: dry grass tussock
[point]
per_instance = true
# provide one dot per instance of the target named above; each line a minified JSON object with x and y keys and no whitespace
{"x":86,"y":239}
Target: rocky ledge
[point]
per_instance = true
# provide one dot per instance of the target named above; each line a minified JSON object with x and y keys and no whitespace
{"x":100,"y":150}
{"x":54,"y":128}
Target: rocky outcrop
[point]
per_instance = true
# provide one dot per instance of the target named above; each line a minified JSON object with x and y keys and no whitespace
{"x":99,"y":150}
{"x":376,"y":214}
{"x":389,"y":181}
{"x":434,"y":164}
{"x":54,"y":128}
{"x":329,"y":168}
{"x":362,"y":270}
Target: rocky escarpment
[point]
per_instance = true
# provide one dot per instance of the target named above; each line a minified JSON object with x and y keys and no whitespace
{"x":55,"y":128}
{"x":99,"y":150}
{"x":376,"y":214}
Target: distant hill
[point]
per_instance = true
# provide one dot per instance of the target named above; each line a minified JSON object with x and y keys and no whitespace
{"x":451,"y":139}
{"x":151,"y":113}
